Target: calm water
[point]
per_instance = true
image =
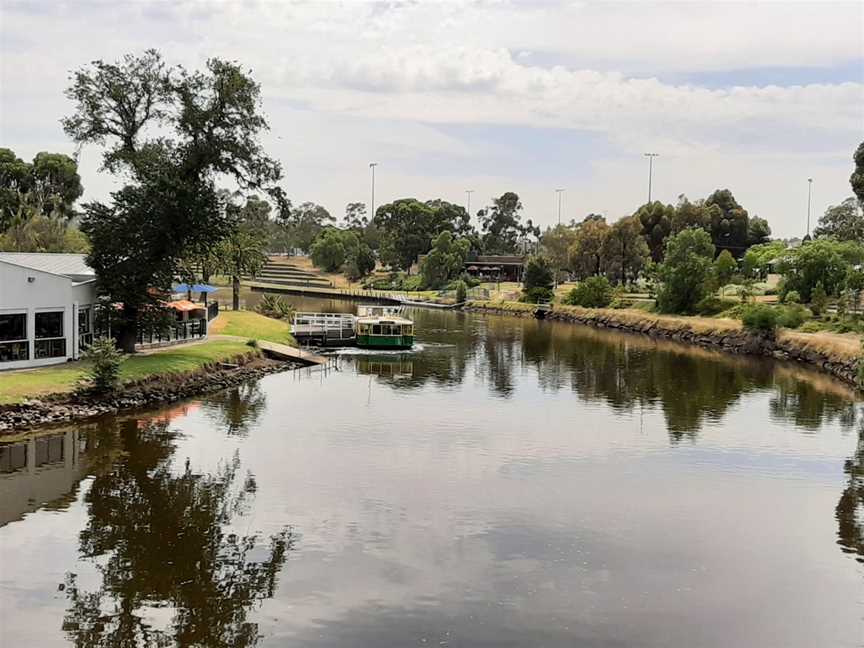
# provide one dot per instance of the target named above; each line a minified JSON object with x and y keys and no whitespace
{"x":508,"y":483}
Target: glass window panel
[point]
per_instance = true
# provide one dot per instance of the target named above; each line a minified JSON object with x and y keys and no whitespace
{"x":50,"y":348}
{"x":14,"y":351}
{"x":49,"y":325}
{"x":84,"y":320}
{"x":13,"y":327}
{"x":376,"y":329}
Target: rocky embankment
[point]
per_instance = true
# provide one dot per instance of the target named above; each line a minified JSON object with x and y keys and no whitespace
{"x":722,"y":335}
{"x":152,"y":391}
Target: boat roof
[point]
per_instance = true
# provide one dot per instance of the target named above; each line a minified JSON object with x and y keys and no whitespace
{"x":384,"y":319}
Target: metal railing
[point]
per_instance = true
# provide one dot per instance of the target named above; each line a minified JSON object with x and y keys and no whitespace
{"x":333,"y":326}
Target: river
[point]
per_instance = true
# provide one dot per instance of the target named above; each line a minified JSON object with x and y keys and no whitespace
{"x":507,"y":483}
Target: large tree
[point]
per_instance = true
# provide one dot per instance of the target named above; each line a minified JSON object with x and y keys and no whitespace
{"x":656,"y":219}
{"x":306,"y":221}
{"x":689,"y":215}
{"x":843,"y":222}
{"x":49,"y":186}
{"x":172,"y":134}
{"x":730,"y":223}
{"x":408,"y":227}
{"x":445,"y":261}
{"x":502,"y":227}
{"x":624,"y":250}
{"x":685,"y":271}
{"x":586,"y":253}
{"x":857,"y":177}
{"x":556,"y":242}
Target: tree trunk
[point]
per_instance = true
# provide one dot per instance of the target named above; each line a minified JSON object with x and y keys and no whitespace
{"x":235,"y":289}
{"x":128,"y":333}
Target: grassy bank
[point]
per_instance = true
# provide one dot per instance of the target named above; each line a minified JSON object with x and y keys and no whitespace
{"x":17,"y":386}
{"x":252,"y":326}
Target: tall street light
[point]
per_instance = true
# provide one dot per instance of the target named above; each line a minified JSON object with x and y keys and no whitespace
{"x":560,"y":193}
{"x":650,"y":157}
{"x":809,"y":194}
{"x":372,"y":166}
{"x":468,"y":192}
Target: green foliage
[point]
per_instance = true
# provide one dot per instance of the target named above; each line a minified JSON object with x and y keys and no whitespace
{"x":33,"y":232}
{"x":537,"y":295}
{"x":445,"y":261}
{"x":792,"y":297}
{"x":556,"y":242}
{"x":793,"y":316}
{"x":819,"y":300}
{"x":656,"y":220}
{"x":537,"y":273}
{"x":760,"y":317}
{"x":724,"y":267}
{"x":758,"y":231}
{"x":711,"y":305}
{"x":624,"y":250}
{"x":729,"y":221}
{"x":843,"y":222}
{"x":857,"y":177}
{"x":685,"y":271}
{"x":586,"y":252}
{"x":330,"y":249}
{"x":461,"y":292}
{"x":170,"y":133}
{"x":275,"y":306}
{"x":822,"y":260}
{"x":305,"y":223}
{"x":502,"y":227}
{"x":593,"y":292}
{"x":360,"y":261}
{"x":105,"y":359}
{"x":408,"y":227}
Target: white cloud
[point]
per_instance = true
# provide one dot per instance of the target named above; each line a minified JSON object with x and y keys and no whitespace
{"x":347,"y":83}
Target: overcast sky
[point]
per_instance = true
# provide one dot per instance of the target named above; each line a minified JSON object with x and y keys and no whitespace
{"x":493,"y":96}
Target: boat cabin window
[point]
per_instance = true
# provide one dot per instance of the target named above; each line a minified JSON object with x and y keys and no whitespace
{"x":376,"y":329}
{"x":407,"y":329}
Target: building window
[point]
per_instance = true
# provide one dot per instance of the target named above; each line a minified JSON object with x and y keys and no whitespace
{"x":49,"y":325}
{"x":85,"y":330}
{"x":50,"y":342}
{"x":13,"y":338}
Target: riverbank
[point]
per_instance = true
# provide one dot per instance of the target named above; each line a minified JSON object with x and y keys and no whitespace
{"x":156,"y":389}
{"x":834,"y":354}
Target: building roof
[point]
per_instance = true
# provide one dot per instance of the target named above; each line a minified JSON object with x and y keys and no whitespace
{"x":67,"y":265}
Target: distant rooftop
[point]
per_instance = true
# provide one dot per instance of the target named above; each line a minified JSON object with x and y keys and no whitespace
{"x":68,"y":265}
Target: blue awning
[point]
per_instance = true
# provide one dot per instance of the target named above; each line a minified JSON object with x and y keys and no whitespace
{"x":202,"y":288}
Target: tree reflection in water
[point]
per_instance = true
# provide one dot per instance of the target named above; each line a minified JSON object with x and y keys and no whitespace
{"x":850,"y":508}
{"x":237,"y":409}
{"x":159,"y":539}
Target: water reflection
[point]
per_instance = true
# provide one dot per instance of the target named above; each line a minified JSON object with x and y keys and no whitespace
{"x":237,"y":409}
{"x":160,"y":540}
{"x":850,"y":508}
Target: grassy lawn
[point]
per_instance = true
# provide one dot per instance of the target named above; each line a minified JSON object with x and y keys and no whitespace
{"x":252,"y":326}
{"x":16,"y":386}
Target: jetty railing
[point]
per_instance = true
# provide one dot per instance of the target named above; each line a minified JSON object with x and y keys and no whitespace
{"x":325,"y":326}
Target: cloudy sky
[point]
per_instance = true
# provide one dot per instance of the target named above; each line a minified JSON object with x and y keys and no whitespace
{"x":493,"y":96}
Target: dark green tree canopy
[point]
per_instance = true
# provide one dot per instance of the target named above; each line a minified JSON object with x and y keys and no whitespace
{"x":843,"y":222}
{"x":49,"y":186}
{"x":758,"y":231}
{"x":502,"y":227}
{"x":656,"y":219}
{"x":857,"y":177}
{"x":685,"y":271}
{"x":445,"y":261}
{"x":729,"y":223}
{"x":175,"y":134}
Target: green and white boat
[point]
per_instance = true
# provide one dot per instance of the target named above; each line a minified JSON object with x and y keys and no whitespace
{"x":383,"y":327}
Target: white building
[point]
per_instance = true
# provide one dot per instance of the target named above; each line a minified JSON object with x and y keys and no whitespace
{"x":46,"y":308}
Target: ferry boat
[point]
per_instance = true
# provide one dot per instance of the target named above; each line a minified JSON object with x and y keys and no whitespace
{"x":383,"y":327}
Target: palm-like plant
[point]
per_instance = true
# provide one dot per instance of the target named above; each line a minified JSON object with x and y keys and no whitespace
{"x":242,"y":252}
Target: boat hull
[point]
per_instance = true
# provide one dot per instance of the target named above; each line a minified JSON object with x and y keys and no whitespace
{"x":385,"y":341}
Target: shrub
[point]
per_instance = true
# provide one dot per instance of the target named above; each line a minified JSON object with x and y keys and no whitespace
{"x":792,"y":297}
{"x":760,"y":317}
{"x":593,"y":292}
{"x":793,"y":316}
{"x":104,"y":372}
{"x":538,"y":273}
{"x":275,"y":306}
{"x":537,"y":295}
{"x":461,"y":292}
{"x":253,"y":343}
{"x":711,"y":305}
{"x":818,"y":300}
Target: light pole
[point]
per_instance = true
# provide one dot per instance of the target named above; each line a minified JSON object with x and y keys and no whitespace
{"x":468,"y":192}
{"x":372,"y":166}
{"x":809,"y":195}
{"x":560,"y":192}
{"x":650,"y":157}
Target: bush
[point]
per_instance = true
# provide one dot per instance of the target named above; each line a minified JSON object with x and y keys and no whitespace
{"x":104,"y":372}
{"x":537,"y":295}
{"x":792,"y":297}
{"x":793,"y":316}
{"x":760,"y":317}
{"x":593,"y":292}
{"x":275,"y":306}
{"x":461,"y":292}
{"x":538,"y":273}
{"x":818,"y":300}
{"x":253,"y":343}
{"x":711,"y":305}
{"x":685,"y":272}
